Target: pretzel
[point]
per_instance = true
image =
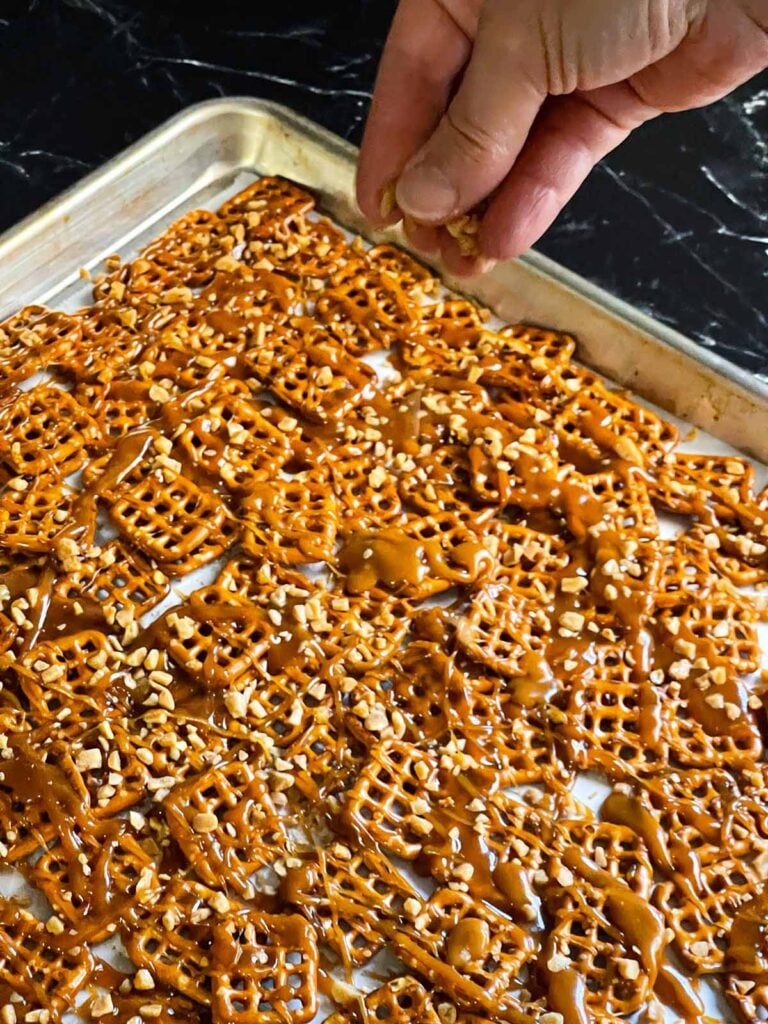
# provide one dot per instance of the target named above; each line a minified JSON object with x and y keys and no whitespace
{"x":501,"y":628}
{"x":699,"y":921}
{"x":195,"y":240}
{"x":172,"y":362}
{"x":119,"y":406}
{"x":36,"y":440}
{"x":528,"y":751}
{"x":269,"y":207}
{"x":382,"y":805}
{"x":367,"y":495}
{"x":33,"y":514}
{"x":469,"y":951}
{"x":110,"y":341}
{"x":174,"y":936}
{"x":264,"y":969}
{"x":368,"y":309}
{"x":413,"y":277}
{"x":35,"y":337}
{"x":104,"y":889}
{"x":682,"y":477}
{"x":615,"y":849}
{"x":748,"y":998}
{"x":599,"y":423}
{"x":723,"y":629}
{"x":517,"y":836}
{"x":555,"y":346}
{"x":45,"y":972}
{"x":76,"y":673}
{"x":177,"y":523}
{"x":402,"y":1000}
{"x":604,"y":970}
{"x":422,"y":557}
{"x":500,"y":458}
{"x":323,"y":760}
{"x":368,"y":634}
{"x":314,"y":254}
{"x":441,"y":482}
{"x":120,"y":578}
{"x":234,"y":442}
{"x":610,"y":719}
{"x":322,"y":381}
{"x":241,"y":295}
{"x":345,"y":894}
{"x":290,"y":521}
{"x":218,"y":641}
{"x":199,"y":811}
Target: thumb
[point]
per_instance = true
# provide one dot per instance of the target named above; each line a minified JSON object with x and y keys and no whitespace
{"x":479,"y":137}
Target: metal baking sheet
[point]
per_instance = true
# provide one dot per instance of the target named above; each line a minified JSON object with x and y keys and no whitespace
{"x":200,"y":152}
{"x":212,"y":150}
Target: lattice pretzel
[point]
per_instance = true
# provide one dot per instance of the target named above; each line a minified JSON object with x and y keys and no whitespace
{"x":368,"y":309}
{"x":177,"y":523}
{"x":471,"y":952}
{"x":291,"y":521}
{"x":33,"y":514}
{"x":391,"y":797}
{"x":174,"y":937}
{"x":264,"y":969}
{"x":226,"y":823}
{"x":36,"y":965}
{"x":104,"y":889}
{"x":345,"y":893}
{"x":46,"y":431}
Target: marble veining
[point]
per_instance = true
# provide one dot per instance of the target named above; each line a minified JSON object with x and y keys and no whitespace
{"x":676,"y":221}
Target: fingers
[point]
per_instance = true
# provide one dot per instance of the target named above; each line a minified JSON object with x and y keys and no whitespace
{"x":425,"y":51}
{"x":726,"y":47}
{"x":457,"y":263}
{"x":570,"y":136}
{"x":423,"y":237}
{"x":479,"y":137}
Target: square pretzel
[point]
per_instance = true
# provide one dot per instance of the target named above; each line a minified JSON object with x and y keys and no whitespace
{"x":346,"y":893}
{"x":390,"y":802}
{"x":226,"y":823}
{"x":234,"y":442}
{"x":474,"y":953}
{"x":173,"y":938}
{"x":46,"y":430}
{"x":36,"y":965}
{"x":34,"y":513}
{"x":264,"y":969}
{"x":179,"y":524}
{"x":368,"y":310}
{"x":105,"y":890}
{"x":291,"y":522}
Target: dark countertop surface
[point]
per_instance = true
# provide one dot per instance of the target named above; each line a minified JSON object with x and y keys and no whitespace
{"x":676,"y":221}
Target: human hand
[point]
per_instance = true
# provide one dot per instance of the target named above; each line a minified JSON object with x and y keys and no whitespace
{"x":514,"y":101}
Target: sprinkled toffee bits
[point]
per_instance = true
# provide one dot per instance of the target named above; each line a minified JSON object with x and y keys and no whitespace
{"x":240,"y":778}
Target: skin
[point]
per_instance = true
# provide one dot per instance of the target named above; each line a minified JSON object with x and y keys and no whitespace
{"x":513,"y":102}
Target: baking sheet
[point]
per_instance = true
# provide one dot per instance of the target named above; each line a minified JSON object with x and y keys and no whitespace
{"x":61,"y":287}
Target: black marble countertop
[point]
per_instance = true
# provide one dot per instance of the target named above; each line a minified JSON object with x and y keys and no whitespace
{"x":676,"y":221}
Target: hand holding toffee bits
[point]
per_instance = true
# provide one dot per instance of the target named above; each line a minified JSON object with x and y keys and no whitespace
{"x":240,"y":786}
{"x":489,"y":114}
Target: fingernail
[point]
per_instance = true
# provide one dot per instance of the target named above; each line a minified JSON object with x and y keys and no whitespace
{"x":426,"y":194}
{"x":388,"y":202}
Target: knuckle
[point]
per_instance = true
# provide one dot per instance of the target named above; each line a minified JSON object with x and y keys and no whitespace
{"x":475,"y":142}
